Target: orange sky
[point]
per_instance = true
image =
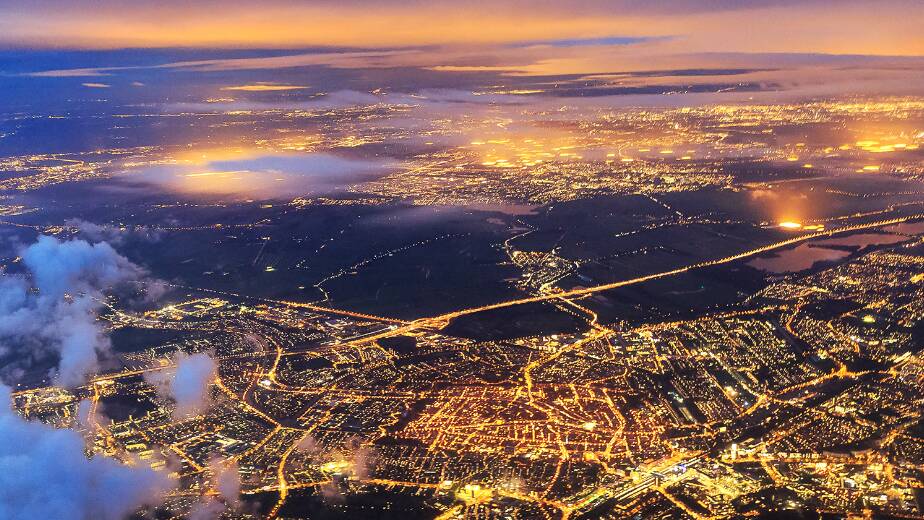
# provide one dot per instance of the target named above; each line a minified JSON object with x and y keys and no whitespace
{"x":883,"y":27}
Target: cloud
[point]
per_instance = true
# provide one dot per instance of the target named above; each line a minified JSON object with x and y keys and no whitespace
{"x":808,"y":26}
{"x":111,"y":234}
{"x":48,"y":314}
{"x":266,"y":176}
{"x":318,"y":102}
{"x":618,"y":64}
{"x":438,"y":96}
{"x":363,"y":462}
{"x":330,"y":493}
{"x":714,"y":25}
{"x":95,"y":85}
{"x":45,"y":474}
{"x":349,"y":98}
{"x":356,"y":461}
{"x":308,"y":445}
{"x":227,"y":480}
{"x":323,"y":58}
{"x":96,"y":232}
{"x":187,"y":383}
{"x":88,"y":419}
{"x":75,"y":266}
{"x":264,"y":87}
{"x":207,"y":509}
{"x":585,"y":42}
{"x":360,"y":458}
{"x":68,"y":73}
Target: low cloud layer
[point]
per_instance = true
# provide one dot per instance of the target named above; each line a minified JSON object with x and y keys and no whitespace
{"x":187,"y":383}
{"x":111,"y":234}
{"x":46,"y":475}
{"x":48,"y":314}
{"x":266,"y":176}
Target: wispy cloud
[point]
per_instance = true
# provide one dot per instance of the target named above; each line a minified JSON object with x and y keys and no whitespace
{"x":264,"y":87}
{"x":746,"y":25}
{"x":68,"y":73}
{"x":586,"y":42}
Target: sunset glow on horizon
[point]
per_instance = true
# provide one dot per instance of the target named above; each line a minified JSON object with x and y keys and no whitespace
{"x":674,"y":27}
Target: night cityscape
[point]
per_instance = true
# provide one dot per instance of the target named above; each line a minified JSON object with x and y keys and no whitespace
{"x":449,"y":260}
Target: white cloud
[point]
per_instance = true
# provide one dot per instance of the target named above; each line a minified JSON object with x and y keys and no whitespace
{"x":48,"y":314}
{"x":44,"y":474}
{"x":187,"y":383}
